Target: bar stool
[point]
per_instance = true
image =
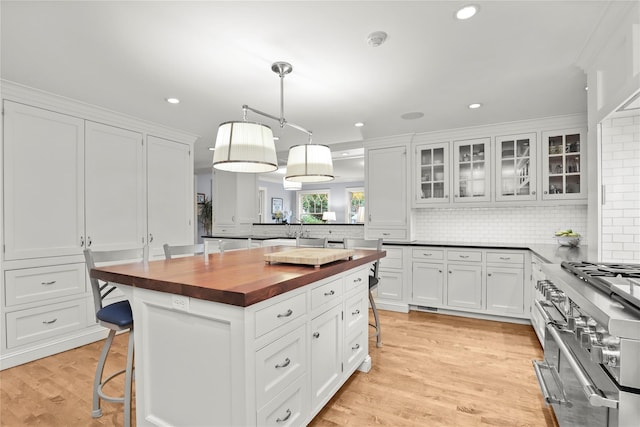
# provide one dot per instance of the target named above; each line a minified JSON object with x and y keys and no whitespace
{"x":312,"y":243}
{"x":178,"y":250}
{"x":374,"y":279}
{"x":116,"y":317}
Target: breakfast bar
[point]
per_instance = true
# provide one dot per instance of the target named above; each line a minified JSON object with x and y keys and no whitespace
{"x":229,"y":339}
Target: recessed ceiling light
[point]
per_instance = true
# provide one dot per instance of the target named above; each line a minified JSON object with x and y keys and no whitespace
{"x":172,"y":100}
{"x":276,"y":138}
{"x":412,"y":115}
{"x":376,"y":38}
{"x":474,"y":106}
{"x":466,"y":12}
{"x":346,"y":153}
{"x":212,"y":148}
{"x":359,"y":124}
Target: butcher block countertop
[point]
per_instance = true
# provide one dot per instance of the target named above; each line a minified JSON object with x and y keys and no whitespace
{"x":239,"y":278}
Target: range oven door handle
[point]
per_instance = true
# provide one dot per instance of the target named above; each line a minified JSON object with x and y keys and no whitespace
{"x":592,"y":393}
{"x":538,"y":366}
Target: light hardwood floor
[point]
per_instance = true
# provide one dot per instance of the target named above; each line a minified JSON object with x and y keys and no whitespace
{"x":433,"y":370}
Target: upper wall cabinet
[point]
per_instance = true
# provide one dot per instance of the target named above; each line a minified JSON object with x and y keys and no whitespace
{"x":515,"y":167}
{"x":563,"y":164}
{"x":471,"y":170}
{"x":433,"y":180}
{"x":43,"y":183}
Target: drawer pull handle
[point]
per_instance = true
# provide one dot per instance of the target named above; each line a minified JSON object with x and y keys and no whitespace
{"x":359,"y":279}
{"x":355,"y":347}
{"x":48,"y":283}
{"x":355,"y":313}
{"x":505,"y":258}
{"x":386,"y":234}
{"x":316,"y":334}
{"x":287,"y":314}
{"x":286,"y":417}
{"x":49,"y":322}
{"x":284,"y":364}
{"x":464,"y":256}
{"x":328,"y":294}
{"x":427,"y":254}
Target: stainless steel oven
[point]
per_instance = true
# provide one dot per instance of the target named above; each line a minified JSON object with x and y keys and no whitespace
{"x":591,"y":368}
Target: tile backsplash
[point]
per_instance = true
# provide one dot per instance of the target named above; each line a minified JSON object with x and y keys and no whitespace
{"x":526,"y":224}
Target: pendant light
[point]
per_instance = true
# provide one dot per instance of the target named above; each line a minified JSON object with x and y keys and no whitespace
{"x":252,"y":148}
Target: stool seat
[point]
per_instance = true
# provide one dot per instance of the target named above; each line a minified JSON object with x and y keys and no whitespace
{"x":119,"y":313}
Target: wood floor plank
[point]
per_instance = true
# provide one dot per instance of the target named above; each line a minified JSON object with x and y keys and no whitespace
{"x":433,"y":370}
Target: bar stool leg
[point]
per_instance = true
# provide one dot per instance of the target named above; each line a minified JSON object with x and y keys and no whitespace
{"x":377,"y":320}
{"x":128,"y":381}
{"x":97,"y":411}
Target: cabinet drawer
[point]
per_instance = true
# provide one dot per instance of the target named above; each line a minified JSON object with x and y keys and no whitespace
{"x":43,"y":283}
{"x":393,"y":258}
{"x":468,"y":256}
{"x":324,"y":294}
{"x":400,"y":234}
{"x":287,"y":409}
{"x":35,"y":324}
{"x":355,"y":350}
{"x":354,"y":282}
{"x":505,"y":258}
{"x":357,"y":312}
{"x":427,"y":253}
{"x":279,"y":364}
{"x":281,"y":313}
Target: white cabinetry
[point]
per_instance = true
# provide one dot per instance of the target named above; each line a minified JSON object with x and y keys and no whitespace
{"x":433,"y":181}
{"x":563,"y":164}
{"x":234,"y":202}
{"x":114,"y":187}
{"x":516,"y":167}
{"x":387,"y":188}
{"x":505,"y":283}
{"x":74,"y":177}
{"x":170,"y":196}
{"x":471,"y":170}
{"x":428,"y":277}
{"x":43,"y":183}
{"x":326,"y":355}
{"x":390,"y":293}
{"x":464,"y":280}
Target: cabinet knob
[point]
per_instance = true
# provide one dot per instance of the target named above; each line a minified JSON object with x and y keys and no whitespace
{"x":328,"y":294}
{"x":489,"y":274}
{"x":449,"y":271}
{"x":355,"y":313}
{"x":150,"y":237}
{"x":533,"y":192}
{"x":545,"y":192}
{"x":81,"y":241}
{"x":355,"y":347}
{"x":287,"y":314}
{"x":316,"y":334}
{"x":89,"y":241}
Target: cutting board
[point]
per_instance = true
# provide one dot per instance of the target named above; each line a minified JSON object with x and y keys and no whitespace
{"x":309,"y":256}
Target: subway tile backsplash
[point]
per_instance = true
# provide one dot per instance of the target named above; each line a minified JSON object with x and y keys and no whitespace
{"x":527,"y":224}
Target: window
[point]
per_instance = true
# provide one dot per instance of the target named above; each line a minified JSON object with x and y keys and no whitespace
{"x":355,"y":198}
{"x":311,"y":205}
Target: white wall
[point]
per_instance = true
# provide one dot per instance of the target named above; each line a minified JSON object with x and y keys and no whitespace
{"x":620,"y":166}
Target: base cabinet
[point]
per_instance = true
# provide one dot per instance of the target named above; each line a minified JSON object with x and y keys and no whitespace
{"x":505,"y":290}
{"x":275,"y":363}
{"x":428,"y":283}
{"x":464,"y":286}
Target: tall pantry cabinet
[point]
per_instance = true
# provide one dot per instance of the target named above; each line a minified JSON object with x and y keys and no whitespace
{"x":76,"y":177}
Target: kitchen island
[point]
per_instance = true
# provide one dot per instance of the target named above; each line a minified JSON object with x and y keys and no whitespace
{"x":231,"y":340}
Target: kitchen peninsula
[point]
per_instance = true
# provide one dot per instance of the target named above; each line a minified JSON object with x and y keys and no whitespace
{"x":231,"y":340}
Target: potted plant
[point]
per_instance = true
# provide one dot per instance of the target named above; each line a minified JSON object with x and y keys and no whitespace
{"x":205,"y":214}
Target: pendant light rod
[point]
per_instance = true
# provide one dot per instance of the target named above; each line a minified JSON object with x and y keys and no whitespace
{"x":282,"y":69}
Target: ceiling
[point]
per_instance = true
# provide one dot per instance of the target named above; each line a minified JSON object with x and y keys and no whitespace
{"x":517,"y":58}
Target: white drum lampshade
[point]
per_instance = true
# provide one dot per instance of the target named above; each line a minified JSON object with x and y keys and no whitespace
{"x":309,"y":163}
{"x":245,"y":147}
{"x":328,"y":216}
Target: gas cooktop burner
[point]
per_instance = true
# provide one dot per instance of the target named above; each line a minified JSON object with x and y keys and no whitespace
{"x":620,"y":281}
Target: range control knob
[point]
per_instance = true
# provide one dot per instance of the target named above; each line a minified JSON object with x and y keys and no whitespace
{"x":574,"y":322}
{"x":606,"y":356}
{"x":608,"y":340}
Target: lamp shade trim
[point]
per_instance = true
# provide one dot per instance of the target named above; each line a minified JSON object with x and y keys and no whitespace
{"x":310,"y":163}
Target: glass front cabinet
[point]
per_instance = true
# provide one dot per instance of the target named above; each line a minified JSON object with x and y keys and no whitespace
{"x":433,"y":173}
{"x":515,"y":177}
{"x":563,"y":164}
{"x":472,"y":170}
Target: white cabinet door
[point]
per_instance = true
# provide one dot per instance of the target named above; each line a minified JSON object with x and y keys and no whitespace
{"x":563,"y":164}
{"x":43,"y":183}
{"x":115,"y":188}
{"x":170,"y":196}
{"x":246,"y":199}
{"x":471,"y":170}
{"x":326,"y":355}
{"x":428,"y":283}
{"x":225,"y":187}
{"x":464,"y":286}
{"x":387,"y":186}
{"x":516,"y":167}
{"x":505,"y":290}
{"x":432,"y":173}
{"x":390,"y":285}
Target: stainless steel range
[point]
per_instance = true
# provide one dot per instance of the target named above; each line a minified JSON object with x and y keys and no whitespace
{"x":591,"y":368}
